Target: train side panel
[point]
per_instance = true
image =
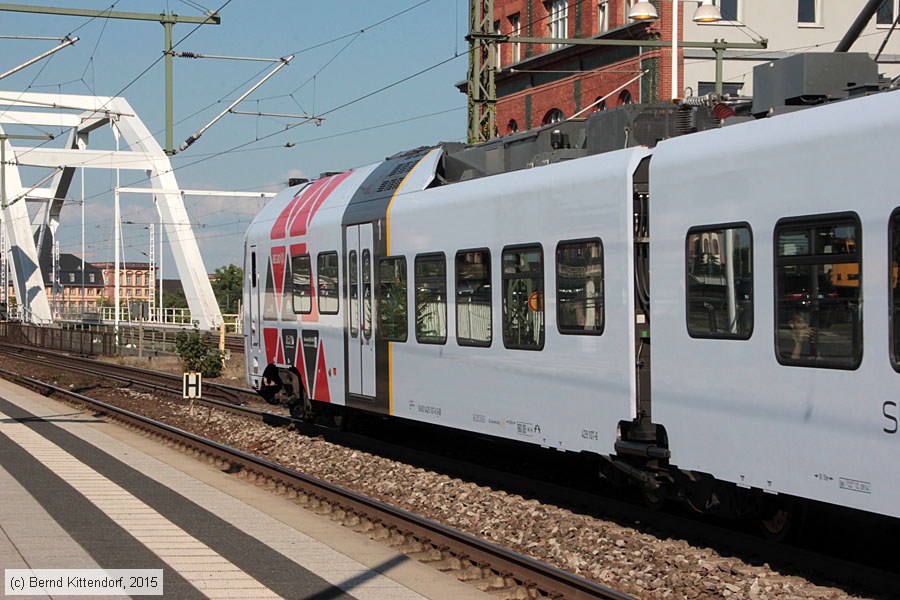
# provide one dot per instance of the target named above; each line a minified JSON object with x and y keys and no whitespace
{"x":749,"y":411}
{"x":571,"y":393}
{"x":282,"y":330}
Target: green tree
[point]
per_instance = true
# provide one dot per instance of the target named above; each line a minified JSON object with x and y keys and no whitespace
{"x":174,"y":299}
{"x":227,"y":285}
{"x":197,"y":354}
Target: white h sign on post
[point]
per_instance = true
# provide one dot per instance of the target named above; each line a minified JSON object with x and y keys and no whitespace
{"x":192,"y":385}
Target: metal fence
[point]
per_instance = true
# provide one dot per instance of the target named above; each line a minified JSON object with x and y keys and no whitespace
{"x":80,"y":341}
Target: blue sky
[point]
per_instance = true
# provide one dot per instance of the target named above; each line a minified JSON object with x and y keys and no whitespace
{"x":344,"y":51}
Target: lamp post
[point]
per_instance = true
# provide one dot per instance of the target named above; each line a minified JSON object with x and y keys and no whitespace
{"x":707,"y":12}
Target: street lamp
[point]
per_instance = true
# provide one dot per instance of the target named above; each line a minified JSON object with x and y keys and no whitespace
{"x":707,"y":12}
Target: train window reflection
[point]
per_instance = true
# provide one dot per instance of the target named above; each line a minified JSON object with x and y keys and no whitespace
{"x":720,"y":282}
{"x":367,"y":293}
{"x":392,"y":301}
{"x":818,"y":285}
{"x":431,"y":299}
{"x":894,"y":233}
{"x":270,"y":307}
{"x":523,"y":298}
{"x":302,"y":289}
{"x":327,"y":276}
{"x":473,"y":298}
{"x":579,"y":287}
{"x":353,"y":288}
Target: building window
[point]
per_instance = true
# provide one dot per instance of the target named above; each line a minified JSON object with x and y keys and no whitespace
{"x":515,"y":30}
{"x":885,"y":14}
{"x":91,"y":277}
{"x":512,"y":126}
{"x":523,"y":297}
{"x":554,"y":115}
{"x":603,"y":16}
{"x":729,"y":9}
{"x":579,"y":287}
{"x":720,"y":282}
{"x":496,"y":48}
{"x":599,"y":104}
{"x":139,"y":292}
{"x":301,"y":296}
{"x":807,"y":12}
{"x":625,"y":98}
{"x":71,"y":277}
{"x":128,"y":280}
{"x":137,"y":279}
{"x":392,"y":304}
{"x":327,"y":272}
{"x":557,"y":16}
{"x":431,"y":299}
{"x":709,"y":87}
{"x":473,"y":298}
{"x":128,"y":292}
{"x":818,"y":284}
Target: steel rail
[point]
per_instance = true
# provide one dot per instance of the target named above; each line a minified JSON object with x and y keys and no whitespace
{"x":529,"y":572}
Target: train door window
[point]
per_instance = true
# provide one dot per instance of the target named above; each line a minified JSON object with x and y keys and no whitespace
{"x":579,"y":287}
{"x":720,"y":282}
{"x":523,"y":297}
{"x":431,"y":299}
{"x":302,"y":287}
{"x":327,"y":277}
{"x":473,"y":298}
{"x":392,"y":302}
{"x":818,"y":285}
{"x":367,"y":293}
{"x":894,"y":275}
{"x":270,"y":308}
{"x":354,"y":294}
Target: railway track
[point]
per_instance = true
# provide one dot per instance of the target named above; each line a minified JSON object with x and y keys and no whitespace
{"x":408,"y":531}
{"x":427,"y":455}
{"x":152,"y":380}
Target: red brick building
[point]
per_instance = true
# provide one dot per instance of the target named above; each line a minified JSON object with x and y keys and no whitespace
{"x":539,"y":83}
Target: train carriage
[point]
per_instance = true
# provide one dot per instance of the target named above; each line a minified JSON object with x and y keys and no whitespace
{"x":798,"y":398}
{"x":505,"y":290}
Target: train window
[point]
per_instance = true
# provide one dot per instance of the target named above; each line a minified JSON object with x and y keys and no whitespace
{"x":367,"y":293}
{"x":473,"y":298}
{"x":302,"y":288}
{"x":579,"y":287}
{"x":818,"y":285}
{"x":392,"y":312}
{"x":523,"y":297}
{"x":894,"y":261}
{"x":270,"y":307}
{"x":720,"y":282}
{"x":354,"y":294}
{"x":327,"y":276}
{"x":431,"y":299}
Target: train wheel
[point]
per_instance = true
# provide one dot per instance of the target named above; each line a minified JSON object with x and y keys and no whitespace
{"x":782,"y":520}
{"x":653,"y":500}
{"x":302,"y":409}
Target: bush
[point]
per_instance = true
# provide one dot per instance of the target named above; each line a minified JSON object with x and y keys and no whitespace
{"x":197,"y":354}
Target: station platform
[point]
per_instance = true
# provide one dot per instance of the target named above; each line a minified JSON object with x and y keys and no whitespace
{"x":77,"y":492}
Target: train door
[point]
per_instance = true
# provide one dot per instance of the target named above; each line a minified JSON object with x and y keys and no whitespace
{"x":360,"y":335}
{"x":255,"y":316}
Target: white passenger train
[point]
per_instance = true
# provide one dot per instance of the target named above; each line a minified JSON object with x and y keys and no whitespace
{"x":450,"y":286}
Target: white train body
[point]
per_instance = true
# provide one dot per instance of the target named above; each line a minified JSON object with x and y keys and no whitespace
{"x":733,"y":404}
